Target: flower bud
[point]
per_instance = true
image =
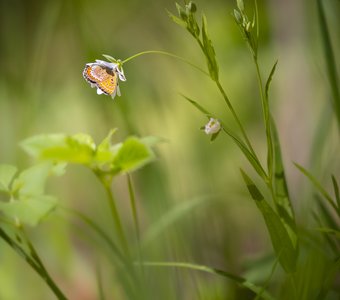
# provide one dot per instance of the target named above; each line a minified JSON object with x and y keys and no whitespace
{"x":213,"y":126}
{"x":192,"y":7}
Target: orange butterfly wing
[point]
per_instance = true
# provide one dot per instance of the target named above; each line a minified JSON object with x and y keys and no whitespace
{"x":99,"y":76}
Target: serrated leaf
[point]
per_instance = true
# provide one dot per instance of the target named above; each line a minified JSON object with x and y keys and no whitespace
{"x":282,"y":244}
{"x":7,"y":173}
{"x":29,"y":210}
{"x":132,"y":154}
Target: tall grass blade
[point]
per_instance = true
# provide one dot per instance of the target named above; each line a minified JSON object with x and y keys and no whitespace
{"x":330,"y":59}
{"x":269,"y":80}
{"x":336,"y":192}
{"x":282,"y":244}
{"x":239,"y":280}
{"x":173,"y":215}
{"x":328,"y":281}
{"x":282,"y":199}
{"x":317,"y":185}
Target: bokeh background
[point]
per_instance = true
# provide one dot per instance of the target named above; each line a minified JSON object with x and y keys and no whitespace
{"x":44,"y":46}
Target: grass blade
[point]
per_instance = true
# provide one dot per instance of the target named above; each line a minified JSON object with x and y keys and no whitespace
{"x":330,"y":60}
{"x":282,"y":244}
{"x":240,"y":280}
{"x":331,"y":274}
{"x":170,"y":217}
{"x":336,"y":192}
{"x":270,"y":77}
{"x":282,"y":199}
{"x":317,"y":185}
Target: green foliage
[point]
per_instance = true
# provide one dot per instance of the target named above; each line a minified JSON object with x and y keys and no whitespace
{"x":108,"y":158}
{"x":330,"y":59}
{"x":27,"y":203}
{"x":286,"y":252}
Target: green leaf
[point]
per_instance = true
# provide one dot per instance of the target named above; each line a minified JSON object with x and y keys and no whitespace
{"x":152,"y":141}
{"x":110,"y":58}
{"x":239,"y":280}
{"x":78,"y":148}
{"x":317,"y":185}
{"x":198,"y":106}
{"x":331,"y":274}
{"x":240,"y":5}
{"x":330,"y":60}
{"x":105,"y":145}
{"x":282,"y":199}
{"x":330,"y":231}
{"x":177,"y":20}
{"x":270,"y":77}
{"x":209,"y":51}
{"x":36,"y":145}
{"x":31,"y":182}
{"x":132,"y":154}
{"x":29,"y":210}
{"x":7,"y":173}
{"x":282,"y":244}
{"x":336,"y":192}
{"x":103,"y":151}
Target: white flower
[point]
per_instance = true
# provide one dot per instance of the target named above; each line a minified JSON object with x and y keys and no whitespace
{"x":213,"y":126}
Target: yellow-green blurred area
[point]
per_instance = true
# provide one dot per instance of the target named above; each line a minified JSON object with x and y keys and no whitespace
{"x":194,"y":185}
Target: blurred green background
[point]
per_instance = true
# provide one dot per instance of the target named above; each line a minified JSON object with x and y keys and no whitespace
{"x":44,"y":46}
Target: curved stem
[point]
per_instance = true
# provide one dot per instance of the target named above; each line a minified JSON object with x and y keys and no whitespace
{"x":167,"y":54}
{"x":240,"y":280}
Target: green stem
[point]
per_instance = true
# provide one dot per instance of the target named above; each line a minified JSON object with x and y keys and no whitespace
{"x":240,"y":280}
{"x":231,"y":108}
{"x":167,"y":54}
{"x":133,"y":207}
{"x":35,"y":263}
{"x":136,"y":223}
{"x":266,"y":117}
{"x":115,"y":216}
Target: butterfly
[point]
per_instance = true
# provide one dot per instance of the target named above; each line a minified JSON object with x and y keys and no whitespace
{"x":104,"y":76}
